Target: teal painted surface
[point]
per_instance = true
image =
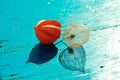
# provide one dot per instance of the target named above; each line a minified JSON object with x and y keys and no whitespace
{"x":17,"y":37}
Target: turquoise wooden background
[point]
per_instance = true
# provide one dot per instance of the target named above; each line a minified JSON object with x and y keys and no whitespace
{"x":18,"y":40}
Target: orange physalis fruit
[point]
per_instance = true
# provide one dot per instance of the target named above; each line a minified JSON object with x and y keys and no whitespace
{"x":48,"y":31}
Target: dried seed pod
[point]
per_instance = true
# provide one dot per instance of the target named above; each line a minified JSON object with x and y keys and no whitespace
{"x":75,"y":35}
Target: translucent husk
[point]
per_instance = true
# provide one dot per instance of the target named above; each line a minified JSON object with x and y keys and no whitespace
{"x":76,"y":35}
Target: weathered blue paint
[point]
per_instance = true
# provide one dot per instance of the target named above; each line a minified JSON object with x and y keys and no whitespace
{"x":18,"y":40}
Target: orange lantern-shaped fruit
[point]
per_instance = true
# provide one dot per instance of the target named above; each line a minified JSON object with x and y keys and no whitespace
{"x":48,"y":31}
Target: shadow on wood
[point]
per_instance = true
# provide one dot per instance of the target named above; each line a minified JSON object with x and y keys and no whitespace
{"x":42,"y":53}
{"x":73,"y":59}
